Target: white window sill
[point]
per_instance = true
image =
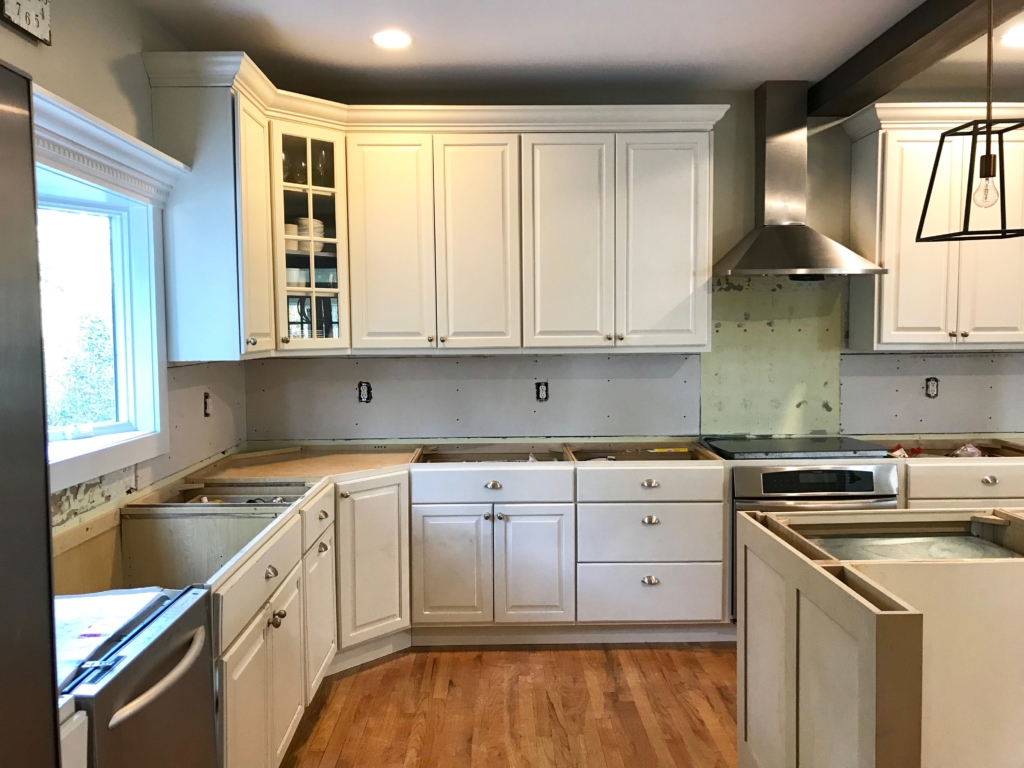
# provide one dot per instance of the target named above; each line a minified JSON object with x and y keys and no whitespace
{"x":75,"y":461}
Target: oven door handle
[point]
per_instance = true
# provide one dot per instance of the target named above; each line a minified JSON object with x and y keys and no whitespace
{"x":172,"y":677}
{"x":811,"y":505}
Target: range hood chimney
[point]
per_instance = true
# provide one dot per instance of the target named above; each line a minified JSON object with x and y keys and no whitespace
{"x":782,"y":243}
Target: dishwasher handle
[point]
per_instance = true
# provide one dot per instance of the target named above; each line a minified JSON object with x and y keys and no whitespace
{"x":180,"y":670}
{"x":812,"y":505}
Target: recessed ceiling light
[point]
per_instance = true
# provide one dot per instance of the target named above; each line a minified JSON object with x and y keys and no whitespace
{"x":1015,"y":37}
{"x":392,"y":38}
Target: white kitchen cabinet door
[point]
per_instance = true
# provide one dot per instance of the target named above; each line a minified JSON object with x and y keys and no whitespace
{"x":534,"y":563}
{"x":287,"y":679}
{"x":254,"y":223}
{"x":568,"y":240}
{"x":308,"y":172}
{"x":452,"y":563}
{"x":373,"y":557}
{"x":662,"y":248}
{"x":919,"y":293}
{"x":992,"y":271}
{"x":321,"y":611}
{"x":476,"y":225}
{"x":244,"y":674}
{"x":391,"y":240}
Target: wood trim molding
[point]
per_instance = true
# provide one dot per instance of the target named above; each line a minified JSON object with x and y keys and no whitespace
{"x":236,"y":70}
{"x":74,"y":141}
{"x":934,"y":116}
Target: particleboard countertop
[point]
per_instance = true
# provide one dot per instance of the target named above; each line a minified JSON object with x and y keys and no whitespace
{"x":300,"y":464}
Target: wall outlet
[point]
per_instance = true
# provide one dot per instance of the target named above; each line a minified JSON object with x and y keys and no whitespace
{"x":542,"y":391}
{"x":365,"y":392}
{"x":931,"y":387}
{"x":206,"y":405}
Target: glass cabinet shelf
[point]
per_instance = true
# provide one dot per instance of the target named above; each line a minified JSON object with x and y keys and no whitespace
{"x":312,"y":242}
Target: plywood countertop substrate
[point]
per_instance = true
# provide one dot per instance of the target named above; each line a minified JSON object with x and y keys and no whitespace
{"x":304,"y":465}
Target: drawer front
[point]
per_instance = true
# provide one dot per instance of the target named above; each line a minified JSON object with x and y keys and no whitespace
{"x":253,"y":584}
{"x":693,"y":482}
{"x":650,"y":533}
{"x":616,"y":592}
{"x":965,"y":479}
{"x":1011,"y":505}
{"x":492,"y":484}
{"x":317,"y":517}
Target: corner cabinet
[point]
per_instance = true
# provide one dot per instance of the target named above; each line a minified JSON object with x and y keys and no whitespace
{"x":936,"y":296}
{"x":310,"y":237}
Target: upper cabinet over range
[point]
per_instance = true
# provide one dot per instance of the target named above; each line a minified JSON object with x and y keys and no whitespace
{"x":311,"y":227}
{"x":967,"y":295}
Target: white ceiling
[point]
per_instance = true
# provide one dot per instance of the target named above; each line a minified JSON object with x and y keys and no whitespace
{"x":323,"y":47}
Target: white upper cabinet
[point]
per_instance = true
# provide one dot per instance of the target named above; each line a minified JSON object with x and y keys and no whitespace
{"x":476,"y":215}
{"x":568,"y":240}
{"x":662,"y":250}
{"x":943,"y":295}
{"x":310,"y":237}
{"x":391,"y":240}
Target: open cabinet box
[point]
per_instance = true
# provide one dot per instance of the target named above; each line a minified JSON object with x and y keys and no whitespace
{"x":903,"y":652}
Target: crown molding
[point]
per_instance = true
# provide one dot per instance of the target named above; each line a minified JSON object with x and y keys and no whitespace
{"x":236,"y":70}
{"x":74,"y":141}
{"x":928,"y":116}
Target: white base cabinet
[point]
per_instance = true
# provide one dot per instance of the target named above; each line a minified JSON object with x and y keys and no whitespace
{"x":534,"y":563}
{"x":321,"y":611}
{"x":373,"y":557}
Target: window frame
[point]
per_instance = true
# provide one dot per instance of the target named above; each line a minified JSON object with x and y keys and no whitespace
{"x":72,"y":142}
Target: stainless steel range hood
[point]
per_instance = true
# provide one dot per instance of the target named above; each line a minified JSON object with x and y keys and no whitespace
{"x":782,"y":243}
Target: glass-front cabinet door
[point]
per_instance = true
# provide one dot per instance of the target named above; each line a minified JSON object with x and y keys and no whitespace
{"x":310,"y":237}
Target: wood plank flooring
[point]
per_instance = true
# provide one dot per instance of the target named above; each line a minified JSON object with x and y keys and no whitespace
{"x":594,"y":707}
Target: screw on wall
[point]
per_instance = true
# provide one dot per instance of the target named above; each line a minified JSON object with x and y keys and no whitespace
{"x":931,"y":387}
{"x":542,"y":391}
{"x":206,"y":405}
{"x":365,"y":392}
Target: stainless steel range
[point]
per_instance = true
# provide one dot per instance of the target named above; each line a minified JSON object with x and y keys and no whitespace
{"x":806,"y":473}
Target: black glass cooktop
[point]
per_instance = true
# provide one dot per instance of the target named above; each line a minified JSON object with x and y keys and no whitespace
{"x":825,"y":447}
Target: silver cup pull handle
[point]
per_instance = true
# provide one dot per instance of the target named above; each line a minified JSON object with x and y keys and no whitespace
{"x":649,"y":483}
{"x":650,"y":520}
{"x":324,"y":514}
{"x":493,"y":485}
{"x":651,"y":581}
{"x":272,"y":573}
{"x":324,"y":546}
{"x":990,"y":480}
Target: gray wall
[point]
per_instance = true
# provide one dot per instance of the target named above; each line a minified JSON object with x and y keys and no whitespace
{"x":95,"y":61}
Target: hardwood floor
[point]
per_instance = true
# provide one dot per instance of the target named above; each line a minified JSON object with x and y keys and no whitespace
{"x":614,"y":707}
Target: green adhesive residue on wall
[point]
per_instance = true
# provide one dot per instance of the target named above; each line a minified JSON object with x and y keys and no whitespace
{"x":774,"y":364}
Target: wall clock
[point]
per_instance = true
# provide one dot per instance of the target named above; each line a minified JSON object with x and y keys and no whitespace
{"x":30,"y":16}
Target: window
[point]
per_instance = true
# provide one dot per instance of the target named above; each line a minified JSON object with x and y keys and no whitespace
{"x":96,"y":269}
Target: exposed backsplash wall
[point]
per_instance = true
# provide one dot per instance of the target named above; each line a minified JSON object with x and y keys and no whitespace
{"x":193,"y":437}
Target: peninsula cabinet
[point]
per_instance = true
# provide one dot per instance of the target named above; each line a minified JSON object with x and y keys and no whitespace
{"x":936,"y":296}
{"x":218,"y":260}
{"x":616,"y":239}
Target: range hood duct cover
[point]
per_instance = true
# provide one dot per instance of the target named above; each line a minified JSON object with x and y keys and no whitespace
{"x":782,"y":243}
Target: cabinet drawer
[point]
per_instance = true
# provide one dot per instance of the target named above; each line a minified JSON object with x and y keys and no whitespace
{"x":1012,"y":505}
{"x":249,"y":588}
{"x":965,"y":479}
{"x":617,"y":592}
{"x":492,"y":483}
{"x":649,"y":533}
{"x":651,"y":482}
{"x":317,"y":517}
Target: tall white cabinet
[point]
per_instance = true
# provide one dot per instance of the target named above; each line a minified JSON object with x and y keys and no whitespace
{"x":936,"y":295}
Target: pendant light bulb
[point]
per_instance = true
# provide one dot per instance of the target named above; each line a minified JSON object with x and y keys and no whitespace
{"x":986,"y":195}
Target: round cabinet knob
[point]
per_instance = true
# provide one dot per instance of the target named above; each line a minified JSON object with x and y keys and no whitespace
{"x":500,"y":516}
{"x":650,"y":581}
{"x":650,"y":520}
{"x":493,"y":485}
{"x":621,"y":337}
{"x":607,"y":337}
{"x":487,"y":515}
{"x":649,"y":483}
{"x":275,"y":620}
{"x":286,"y":340}
{"x":990,"y":480}
{"x":442,"y":339}
{"x":952,"y":334}
{"x":271,"y":573}
{"x":344,"y":494}
{"x":251,"y":341}
{"x":324,"y":514}
{"x":965,"y":334}
{"x":324,"y":546}
{"x":430,"y":338}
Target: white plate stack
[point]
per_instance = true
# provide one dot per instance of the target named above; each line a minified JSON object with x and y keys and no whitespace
{"x":311,"y":228}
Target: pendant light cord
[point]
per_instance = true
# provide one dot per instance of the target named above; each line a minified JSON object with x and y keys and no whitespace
{"x":988,"y":112}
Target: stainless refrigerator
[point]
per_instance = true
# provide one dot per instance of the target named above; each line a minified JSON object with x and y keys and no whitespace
{"x":28,"y":711}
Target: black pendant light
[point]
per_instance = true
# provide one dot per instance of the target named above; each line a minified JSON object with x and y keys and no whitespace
{"x":985,"y":175}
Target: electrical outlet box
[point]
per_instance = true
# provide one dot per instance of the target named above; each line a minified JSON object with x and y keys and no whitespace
{"x":206,"y":405}
{"x":931,"y":387}
{"x":365,"y":392}
{"x":542,"y":391}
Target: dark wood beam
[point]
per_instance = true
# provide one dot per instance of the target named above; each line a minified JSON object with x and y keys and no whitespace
{"x":926,"y":35}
